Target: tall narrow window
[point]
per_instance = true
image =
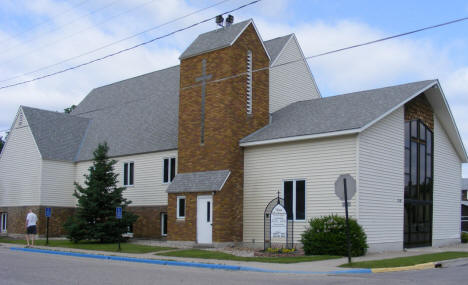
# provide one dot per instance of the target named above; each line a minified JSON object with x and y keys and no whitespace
{"x":169,"y":170}
{"x":128,"y":173}
{"x":249,"y":82}
{"x":3,"y":222}
{"x":180,"y":207}
{"x":294,"y":199}
{"x":164,"y":224}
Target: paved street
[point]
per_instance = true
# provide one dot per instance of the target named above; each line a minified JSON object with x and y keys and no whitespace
{"x":36,"y":268}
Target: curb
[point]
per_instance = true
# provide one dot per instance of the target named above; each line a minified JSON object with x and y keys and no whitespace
{"x":187,"y":264}
{"x":422,"y":266}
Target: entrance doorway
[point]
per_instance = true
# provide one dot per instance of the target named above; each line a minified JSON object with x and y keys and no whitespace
{"x":204,"y":219}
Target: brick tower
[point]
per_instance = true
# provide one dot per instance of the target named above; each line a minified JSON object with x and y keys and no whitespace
{"x":224,"y":96}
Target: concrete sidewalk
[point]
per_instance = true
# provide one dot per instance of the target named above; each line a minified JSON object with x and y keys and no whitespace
{"x":330,"y":266}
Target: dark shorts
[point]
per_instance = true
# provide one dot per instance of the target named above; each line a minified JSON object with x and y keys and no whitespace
{"x":31,"y":230}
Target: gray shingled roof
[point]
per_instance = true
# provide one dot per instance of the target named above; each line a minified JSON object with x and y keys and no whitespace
{"x":136,"y":115}
{"x":274,"y":46}
{"x":216,"y":39}
{"x":464,"y":183}
{"x":206,"y":181}
{"x":336,"y":113}
{"x":57,"y":135}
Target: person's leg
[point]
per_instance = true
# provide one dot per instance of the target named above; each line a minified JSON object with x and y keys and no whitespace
{"x":27,"y":238}
{"x":32,"y":238}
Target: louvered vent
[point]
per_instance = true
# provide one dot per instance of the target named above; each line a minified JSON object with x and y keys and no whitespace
{"x":249,"y":82}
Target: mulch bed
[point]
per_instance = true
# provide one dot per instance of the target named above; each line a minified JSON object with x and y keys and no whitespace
{"x":297,"y":252}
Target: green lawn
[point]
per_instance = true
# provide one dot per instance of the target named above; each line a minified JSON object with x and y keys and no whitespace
{"x":208,"y":254}
{"x":406,"y":261}
{"x":112,"y":247}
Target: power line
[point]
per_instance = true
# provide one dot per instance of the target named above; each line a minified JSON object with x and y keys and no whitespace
{"x":45,"y":21}
{"x":127,"y":49}
{"x":61,"y":27}
{"x":116,"y":42}
{"x":80,"y":32}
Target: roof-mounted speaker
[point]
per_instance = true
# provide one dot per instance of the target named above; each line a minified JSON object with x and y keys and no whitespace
{"x":229,"y":20}
{"x":220,"y":20}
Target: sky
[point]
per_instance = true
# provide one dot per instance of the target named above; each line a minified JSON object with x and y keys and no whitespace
{"x":52,"y":35}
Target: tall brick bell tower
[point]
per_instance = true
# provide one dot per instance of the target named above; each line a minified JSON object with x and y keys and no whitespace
{"x":224,"y":96}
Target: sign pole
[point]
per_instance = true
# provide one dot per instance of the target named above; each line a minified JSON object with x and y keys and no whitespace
{"x":47,"y":231}
{"x":118,"y":215}
{"x":347,"y":220}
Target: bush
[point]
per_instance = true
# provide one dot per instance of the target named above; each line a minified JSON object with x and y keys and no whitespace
{"x":464,"y":237}
{"x":327,"y":236}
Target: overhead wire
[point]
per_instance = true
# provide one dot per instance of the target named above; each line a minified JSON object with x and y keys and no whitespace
{"x":115,"y":42}
{"x":129,"y":48}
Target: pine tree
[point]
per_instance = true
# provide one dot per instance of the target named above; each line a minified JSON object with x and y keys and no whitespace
{"x":94,"y":217}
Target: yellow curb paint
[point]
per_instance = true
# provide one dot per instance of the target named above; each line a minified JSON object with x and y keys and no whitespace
{"x":405,"y":268}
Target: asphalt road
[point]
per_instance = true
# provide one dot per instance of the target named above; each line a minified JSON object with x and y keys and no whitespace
{"x":38,"y":269}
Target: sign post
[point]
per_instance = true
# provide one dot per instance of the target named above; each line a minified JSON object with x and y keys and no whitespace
{"x":48,"y":213}
{"x":118,"y":215}
{"x":345,"y":188}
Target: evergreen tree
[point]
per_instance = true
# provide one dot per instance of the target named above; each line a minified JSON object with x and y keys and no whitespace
{"x":94,"y":217}
{"x":1,"y":144}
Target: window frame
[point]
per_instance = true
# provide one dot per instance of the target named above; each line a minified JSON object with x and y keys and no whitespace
{"x":294,"y":198}
{"x":169,"y":168}
{"x":178,"y":208}
{"x":129,"y":172}
{"x":3,"y":222}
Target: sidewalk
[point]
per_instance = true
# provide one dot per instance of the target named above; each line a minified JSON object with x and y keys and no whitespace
{"x":326,"y":266}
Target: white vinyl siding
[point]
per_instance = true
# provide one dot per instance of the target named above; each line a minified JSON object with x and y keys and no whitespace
{"x":57,"y":183}
{"x":149,"y":189}
{"x":292,"y":82}
{"x":381,"y":179}
{"x":447,"y":185}
{"x":319,"y":162}
{"x":20,"y":168}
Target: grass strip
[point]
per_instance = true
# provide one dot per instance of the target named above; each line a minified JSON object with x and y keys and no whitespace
{"x":210,"y":254}
{"x":90,"y":245}
{"x":407,"y":261}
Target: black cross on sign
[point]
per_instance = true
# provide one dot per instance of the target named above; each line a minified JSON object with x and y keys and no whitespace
{"x":203,"y":80}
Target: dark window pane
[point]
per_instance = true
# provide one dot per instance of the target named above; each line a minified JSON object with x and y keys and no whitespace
{"x":131,"y":173}
{"x":428,"y":166}
{"x":422,"y":131}
{"x":407,"y":185}
{"x":407,"y":134}
{"x":414,"y":163}
{"x":407,"y":161}
{"x":166,"y":171}
{"x":164,"y":223}
{"x":422,"y":164}
{"x":125,"y":173}
{"x":429,"y":141}
{"x":173,"y":167}
{"x":181,"y":207}
{"x":414,"y":129}
{"x":208,"y":213}
{"x":300,"y":200}
{"x":288,"y":198}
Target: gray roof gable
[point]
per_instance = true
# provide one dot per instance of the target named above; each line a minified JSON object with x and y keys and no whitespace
{"x":216,"y":39}
{"x":136,"y":115}
{"x":276,"y":45}
{"x":57,"y":135}
{"x":337,"y":113}
{"x":205,"y":181}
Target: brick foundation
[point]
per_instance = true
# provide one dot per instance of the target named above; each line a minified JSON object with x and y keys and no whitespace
{"x":17,"y":219}
{"x":148,"y":224}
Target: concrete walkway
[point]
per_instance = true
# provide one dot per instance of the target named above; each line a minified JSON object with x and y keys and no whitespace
{"x":324,"y":266}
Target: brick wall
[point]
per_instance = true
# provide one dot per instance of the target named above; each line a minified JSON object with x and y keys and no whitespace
{"x":226,"y":122}
{"x":148,"y":224}
{"x":419,"y":108}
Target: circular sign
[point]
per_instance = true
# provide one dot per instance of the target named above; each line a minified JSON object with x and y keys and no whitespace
{"x":350,"y":186}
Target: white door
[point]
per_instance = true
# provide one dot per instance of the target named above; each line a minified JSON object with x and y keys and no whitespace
{"x":204,"y":219}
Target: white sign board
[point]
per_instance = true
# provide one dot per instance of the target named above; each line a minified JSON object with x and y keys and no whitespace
{"x":350,"y":186}
{"x":279,"y":222}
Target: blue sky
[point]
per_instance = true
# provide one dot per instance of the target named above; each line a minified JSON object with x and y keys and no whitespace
{"x":38,"y":33}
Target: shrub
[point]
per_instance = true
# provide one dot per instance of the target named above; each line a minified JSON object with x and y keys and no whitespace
{"x":327,"y":235}
{"x":464,"y":237}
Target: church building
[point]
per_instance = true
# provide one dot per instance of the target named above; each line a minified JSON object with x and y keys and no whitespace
{"x":204,"y":146}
